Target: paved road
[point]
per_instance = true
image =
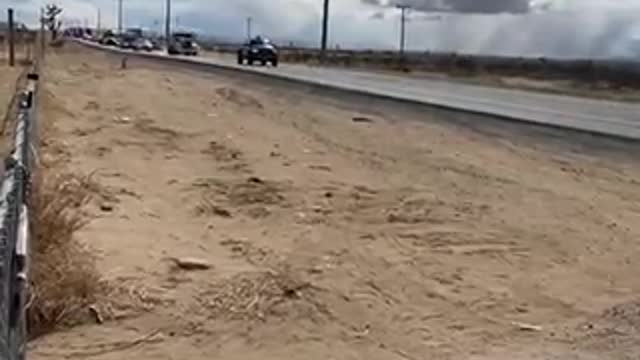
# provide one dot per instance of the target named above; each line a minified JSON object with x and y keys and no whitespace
{"x":606,"y":117}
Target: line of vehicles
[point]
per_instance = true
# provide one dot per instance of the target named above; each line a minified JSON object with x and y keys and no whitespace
{"x":256,"y":50}
{"x":180,"y":43}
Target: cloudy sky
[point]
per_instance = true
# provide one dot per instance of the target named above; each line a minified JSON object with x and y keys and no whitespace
{"x":561,"y":28}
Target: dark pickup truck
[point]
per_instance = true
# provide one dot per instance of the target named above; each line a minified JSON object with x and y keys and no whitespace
{"x":258,"y":49}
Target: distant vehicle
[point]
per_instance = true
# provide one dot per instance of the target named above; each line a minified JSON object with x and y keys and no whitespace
{"x":157,"y":44}
{"x":76,"y":32}
{"x":183,"y":43}
{"x":142,"y":44}
{"x":109,"y":38}
{"x":126,"y":42}
{"x":111,"y":41}
{"x":132,"y":39}
{"x":258,"y":49}
{"x":134,"y":32}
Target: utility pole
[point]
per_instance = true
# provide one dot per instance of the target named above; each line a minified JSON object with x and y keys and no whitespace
{"x":167,"y":24}
{"x":12,"y":39}
{"x":249,"y":21}
{"x":42,"y":34}
{"x":325,"y":26}
{"x":120,"y":16}
{"x":99,"y":22}
{"x":403,"y":21}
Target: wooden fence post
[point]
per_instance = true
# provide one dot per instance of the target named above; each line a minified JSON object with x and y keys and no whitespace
{"x":12,"y":45}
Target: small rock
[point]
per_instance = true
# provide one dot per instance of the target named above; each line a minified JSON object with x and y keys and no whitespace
{"x":189,"y":263}
{"x":221,"y":212}
{"x":527,"y":327}
{"x":237,"y":249}
{"x":96,"y":314}
{"x":106,"y":207}
{"x":361,"y":119}
{"x":320,"y":167}
{"x":122,"y":119}
{"x":150,"y":213}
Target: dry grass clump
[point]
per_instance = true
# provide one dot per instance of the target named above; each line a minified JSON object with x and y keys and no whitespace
{"x":263,"y":295}
{"x":65,"y":280}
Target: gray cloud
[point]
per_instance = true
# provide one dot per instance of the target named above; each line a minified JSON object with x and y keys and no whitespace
{"x":459,"y":6}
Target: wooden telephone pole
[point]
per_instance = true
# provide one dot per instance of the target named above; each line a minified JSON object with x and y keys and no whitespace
{"x":325,"y":26}
{"x":403,"y":22}
{"x":12,"y":38}
{"x":167,"y":24}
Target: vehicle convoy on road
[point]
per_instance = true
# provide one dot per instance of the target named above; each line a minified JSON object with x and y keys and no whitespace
{"x":183,"y":43}
{"x":258,"y":49}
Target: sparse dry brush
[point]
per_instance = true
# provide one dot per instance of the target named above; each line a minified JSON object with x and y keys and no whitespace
{"x":65,"y":281}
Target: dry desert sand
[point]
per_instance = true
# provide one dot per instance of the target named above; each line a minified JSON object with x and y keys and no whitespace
{"x":335,"y":230}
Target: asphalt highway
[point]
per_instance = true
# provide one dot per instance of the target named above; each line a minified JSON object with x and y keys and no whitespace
{"x":592,"y":115}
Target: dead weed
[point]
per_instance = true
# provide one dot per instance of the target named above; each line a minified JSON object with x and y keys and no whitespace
{"x":65,"y":281}
{"x":263,"y":295}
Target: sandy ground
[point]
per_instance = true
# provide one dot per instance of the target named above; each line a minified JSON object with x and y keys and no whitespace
{"x":336,"y":232}
{"x":8,"y":77}
{"x":8,"y":86}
